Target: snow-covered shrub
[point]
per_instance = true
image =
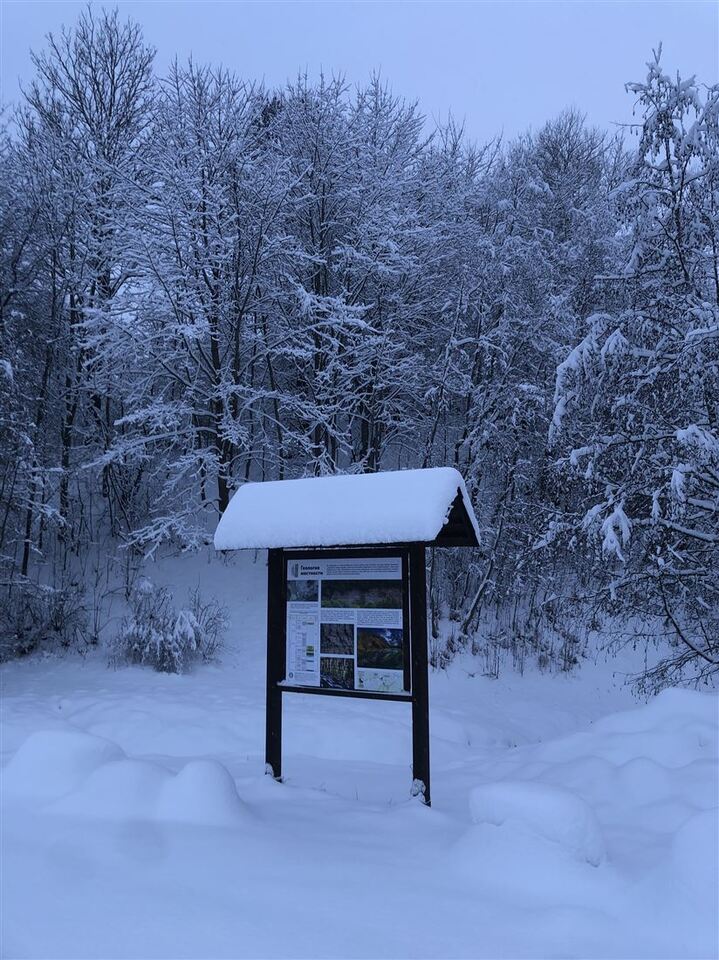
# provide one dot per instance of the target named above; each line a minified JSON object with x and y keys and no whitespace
{"x":146,"y":635}
{"x":156,"y":634}
{"x":551,"y":636}
{"x":210,"y":619}
{"x":41,"y":618}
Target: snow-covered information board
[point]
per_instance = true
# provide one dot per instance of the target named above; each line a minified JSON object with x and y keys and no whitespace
{"x":345,"y":624}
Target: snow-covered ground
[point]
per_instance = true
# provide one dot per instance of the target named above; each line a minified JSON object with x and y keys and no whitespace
{"x":567,"y":820}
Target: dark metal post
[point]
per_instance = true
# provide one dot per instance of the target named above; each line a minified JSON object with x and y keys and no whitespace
{"x":275,"y":662}
{"x":420,"y":678}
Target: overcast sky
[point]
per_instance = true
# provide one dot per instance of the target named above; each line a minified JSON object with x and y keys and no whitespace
{"x":497,"y":65}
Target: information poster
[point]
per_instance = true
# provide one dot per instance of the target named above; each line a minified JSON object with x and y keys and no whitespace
{"x":345,"y":625}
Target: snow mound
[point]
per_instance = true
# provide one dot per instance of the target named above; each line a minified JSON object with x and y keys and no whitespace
{"x":674,"y":729}
{"x":524,"y":868}
{"x":79,"y":774}
{"x":549,"y":812}
{"x":668,"y":706}
{"x":696,"y":857}
{"x":121,"y":789}
{"x":203,"y":792}
{"x":655,"y":764}
{"x":52,"y":763}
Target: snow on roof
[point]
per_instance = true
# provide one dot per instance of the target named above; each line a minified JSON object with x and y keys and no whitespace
{"x":402,"y":506}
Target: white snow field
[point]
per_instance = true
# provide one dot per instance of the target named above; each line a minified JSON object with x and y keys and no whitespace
{"x":567,"y":820}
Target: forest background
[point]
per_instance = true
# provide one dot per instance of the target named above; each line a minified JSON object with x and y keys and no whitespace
{"x":205,"y":282}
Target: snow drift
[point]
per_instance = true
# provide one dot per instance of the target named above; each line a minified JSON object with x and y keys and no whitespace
{"x":84,"y":775}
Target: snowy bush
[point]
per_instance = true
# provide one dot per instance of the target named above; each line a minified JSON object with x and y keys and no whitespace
{"x":34,"y":618}
{"x":157,"y":635}
{"x":210,"y":619}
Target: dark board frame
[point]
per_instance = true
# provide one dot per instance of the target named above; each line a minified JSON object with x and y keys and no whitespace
{"x":414,"y":616}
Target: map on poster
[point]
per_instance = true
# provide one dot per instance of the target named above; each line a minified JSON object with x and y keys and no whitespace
{"x":345,"y":628}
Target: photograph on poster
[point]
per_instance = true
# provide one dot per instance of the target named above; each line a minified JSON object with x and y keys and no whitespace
{"x":383,"y":594}
{"x":380,"y":648}
{"x":306,"y":591}
{"x":337,"y":673}
{"x":380,"y":681}
{"x":337,"y":638}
